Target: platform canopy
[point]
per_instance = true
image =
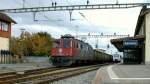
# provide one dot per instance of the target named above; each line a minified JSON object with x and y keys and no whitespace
{"x":119,"y":43}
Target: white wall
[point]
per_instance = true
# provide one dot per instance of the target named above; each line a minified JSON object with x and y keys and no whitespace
{"x":4,"y":43}
{"x":147,"y":42}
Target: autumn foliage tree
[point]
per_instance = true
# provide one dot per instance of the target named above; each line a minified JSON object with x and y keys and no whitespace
{"x":35,"y":44}
{"x":41,"y":43}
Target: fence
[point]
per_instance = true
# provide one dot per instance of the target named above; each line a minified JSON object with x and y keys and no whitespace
{"x":5,"y":57}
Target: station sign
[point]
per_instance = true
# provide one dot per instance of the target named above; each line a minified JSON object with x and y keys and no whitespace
{"x":130,"y":43}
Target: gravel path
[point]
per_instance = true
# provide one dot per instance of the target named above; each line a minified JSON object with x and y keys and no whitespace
{"x":79,"y":79}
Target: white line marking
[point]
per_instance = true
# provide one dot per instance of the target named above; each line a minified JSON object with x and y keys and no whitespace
{"x":131,"y":78}
{"x":111,"y":72}
{"x":113,"y":76}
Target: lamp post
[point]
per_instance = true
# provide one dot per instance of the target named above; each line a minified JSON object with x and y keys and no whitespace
{"x":76,"y":30}
{"x":23,"y":3}
{"x":21,"y":41}
{"x":22,"y":30}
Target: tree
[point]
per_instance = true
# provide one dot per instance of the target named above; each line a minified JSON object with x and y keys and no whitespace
{"x":42,"y":43}
{"x":36,"y":44}
{"x":13,"y":44}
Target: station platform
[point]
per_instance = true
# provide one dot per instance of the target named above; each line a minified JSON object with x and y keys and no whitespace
{"x":4,"y":68}
{"x":123,"y":74}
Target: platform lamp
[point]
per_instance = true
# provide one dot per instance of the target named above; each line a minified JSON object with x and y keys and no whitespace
{"x":24,"y":3}
{"x":22,"y":32}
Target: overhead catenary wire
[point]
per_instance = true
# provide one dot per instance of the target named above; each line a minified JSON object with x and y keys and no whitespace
{"x":35,"y":13}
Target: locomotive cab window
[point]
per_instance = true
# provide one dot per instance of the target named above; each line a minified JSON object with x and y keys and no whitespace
{"x":66,"y":42}
{"x":77,"y":45}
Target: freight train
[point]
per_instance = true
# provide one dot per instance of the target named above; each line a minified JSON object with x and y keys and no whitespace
{"x":71,"y":51}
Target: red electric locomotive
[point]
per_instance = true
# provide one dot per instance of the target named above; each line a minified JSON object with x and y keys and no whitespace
{"x":70,"y":51}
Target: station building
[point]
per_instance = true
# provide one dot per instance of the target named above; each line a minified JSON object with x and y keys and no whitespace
{"x":136,"y":49}
{"x":5,"y":34}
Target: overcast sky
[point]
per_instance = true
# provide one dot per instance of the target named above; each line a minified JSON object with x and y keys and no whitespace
{"x":109,"y":21}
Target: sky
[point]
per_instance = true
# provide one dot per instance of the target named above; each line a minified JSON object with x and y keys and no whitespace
{"x":106,"y":21}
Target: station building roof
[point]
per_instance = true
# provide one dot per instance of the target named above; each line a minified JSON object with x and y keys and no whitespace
{"x":4,"y":17}
{"x":142,"y":14}
{"x":118,"y":43}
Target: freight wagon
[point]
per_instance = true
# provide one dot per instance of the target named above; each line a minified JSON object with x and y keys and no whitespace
{"x":102,"y":57}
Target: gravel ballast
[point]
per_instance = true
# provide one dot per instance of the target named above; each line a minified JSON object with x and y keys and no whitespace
{"x":85,"y":78}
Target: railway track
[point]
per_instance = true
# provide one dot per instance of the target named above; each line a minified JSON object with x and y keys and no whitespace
{"x":44,"y":76}
{"x":12,"y":76}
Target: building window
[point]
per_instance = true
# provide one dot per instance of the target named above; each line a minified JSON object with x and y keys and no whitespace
{"x":4,"y":26}
{"x":0,"y":25}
